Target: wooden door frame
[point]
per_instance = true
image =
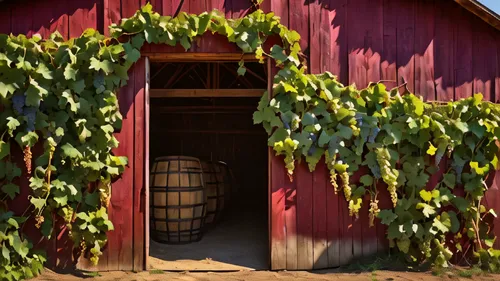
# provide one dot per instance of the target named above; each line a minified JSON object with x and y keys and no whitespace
{"x":196,"y":57}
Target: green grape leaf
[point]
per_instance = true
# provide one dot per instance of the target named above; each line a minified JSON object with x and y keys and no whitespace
{"x":386,"y":216}
{"x":39,"y":203}
{"x":449,"y":180}
{"x":366,"y":180}
{"x":427,"y":209}
{"x":11,"y":190}
{"x":70,"y":151}
{"x":4,"y":149}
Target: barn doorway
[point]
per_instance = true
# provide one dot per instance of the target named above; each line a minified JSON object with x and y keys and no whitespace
{"x":203,"y":111}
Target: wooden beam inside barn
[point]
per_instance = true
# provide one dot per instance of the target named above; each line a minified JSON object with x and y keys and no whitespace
{"x":205,"y":93}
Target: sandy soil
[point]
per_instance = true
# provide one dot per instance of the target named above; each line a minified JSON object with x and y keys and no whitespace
{"x":263,"y":276}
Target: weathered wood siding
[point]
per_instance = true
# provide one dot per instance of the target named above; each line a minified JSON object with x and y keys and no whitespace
{"x":442,"y":51}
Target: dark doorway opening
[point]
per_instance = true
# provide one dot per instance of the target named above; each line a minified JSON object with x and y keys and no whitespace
{"x":204,"y":110}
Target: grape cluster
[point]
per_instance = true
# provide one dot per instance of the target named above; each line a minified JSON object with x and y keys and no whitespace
{"x":39,"y":220}
{"x":333,"y":180}
{"x":30,"y":114}
{"x":359,"y":119}
{"x":373,"y":134}
{"x":439,"y":156}
{"x":389,"y":175}
{"x":27,"y":158}
{"x":345,"y":184}
{"x":18,"y":102}
{"x":373,"y":212}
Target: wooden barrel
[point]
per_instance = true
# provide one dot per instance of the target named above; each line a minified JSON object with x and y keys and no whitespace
{"x":177,"y":200}
{"x":218,"y":186}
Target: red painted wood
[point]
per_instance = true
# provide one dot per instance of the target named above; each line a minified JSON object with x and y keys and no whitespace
{"x":22,"y":19}
{"x":337,"y":16}
{"x":280,"y":8}
{"x":364,"y":40}
{"x":129,"y":7}
{"x":5,"y":13}
{"x":277,"y":221}
{"x":319,"y":191}
{"x":120,"y":245}
{"x":42,"y":18}
{"x":443,"y":50}
{"x":291,"y":223}
{"x":305,"y":243}
{"x":112,"y":13}
{"x":315,"y":45}
{"x":157,"y":6}
{"x":333,"y":224}
{"x":60,"y":18}
{"x":299,"y":21}
{"x":169,"y":7}
{"x":484,"y":71}
{"x":84,"y":15}
{"x":139,"y":209}
{"x":463,"y":53}
{"x":346,"y":231}
{"x":406,"y":43}
{"x":424,"y":49}
{"x":388,"y":63}
{"x":324,"y":37}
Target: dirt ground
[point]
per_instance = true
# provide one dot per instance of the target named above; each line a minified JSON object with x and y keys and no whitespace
{"x":264,"y":276}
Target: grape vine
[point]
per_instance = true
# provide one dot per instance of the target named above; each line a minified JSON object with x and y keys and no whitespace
{"x":60,"y":110}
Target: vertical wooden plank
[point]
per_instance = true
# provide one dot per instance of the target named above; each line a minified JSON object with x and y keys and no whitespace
{"x":5,"y":19}
{"x":299,"y":21}
{"x":280,"y":8}
{"x":196,"y":6}
{"x":278,"y":228}
{"x":291,"y":224}
{"x":319,"y":184}
{"x":146,"y":161}
{"x":443,"y":50}
{"x":42,"y":18}
{"x":120,"y":245}
{"x":389,"y":55}
{"x":157,"y":6}
{"x":484,"y":71}
{"x":496,"y":97}
{"x":333,"y":225}
{"x":338,"y":39}
{"x":215,"y":4}
{"x":463,"y":52}
{"x":303,"y":179}
{"x":112,"y":14}
{"x":240,"y":8}
{"x":129,"y":7}
{"x":424,"y":49}
{"x":365,"y":44}
{"x":169,"y":7}
{"x":315,"y":45}
{"x":139,"y":160}
{"x":346,"y":231}
{"x":84,"y":16}
{"x":406,"y":43}
{"x":61,"y":17}
{"x":22,"y":19}
{"x":364,"y":40}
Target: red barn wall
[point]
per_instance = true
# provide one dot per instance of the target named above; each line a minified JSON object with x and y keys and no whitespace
{"x":438,"y":48}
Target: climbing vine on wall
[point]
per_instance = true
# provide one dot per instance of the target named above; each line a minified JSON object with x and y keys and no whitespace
{"x":60,"y":111}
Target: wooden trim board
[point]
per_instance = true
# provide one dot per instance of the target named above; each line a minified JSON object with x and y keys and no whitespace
{"x":202,"y":93}
{"x":199,"y":57}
